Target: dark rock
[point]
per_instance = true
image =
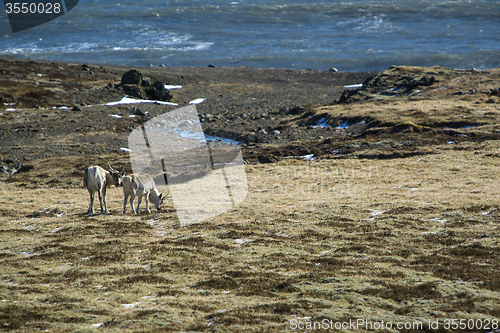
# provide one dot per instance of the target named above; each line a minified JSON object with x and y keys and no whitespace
{"x":85,"y":67}
{"x":134,"y":91}
{"x":157,"y":92}
{"x":422,"y":82}
{"x":76,"y":108}
{"x":296,"y":111}
{"x":211,"y":66}
{"x":346,"y":97}
{"x":158,"y":85}
{"x":162,"y":95}
{"x":139,"y":112}
{"x":267,"y":159}
{"x":146,"y":82}
{"x":132,"y":76}
{"x":24,"y":168}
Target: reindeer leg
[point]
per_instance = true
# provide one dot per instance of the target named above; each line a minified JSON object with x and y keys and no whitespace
{"x":140,"y":194}
{"x":139,"y":199}
{"x":91,"y":207}
{"x":125,"y":204}
{"x":132,"y":197}
{"x":104,"y":200}
{"x":147,"y":203}
{"x":100,"y":200}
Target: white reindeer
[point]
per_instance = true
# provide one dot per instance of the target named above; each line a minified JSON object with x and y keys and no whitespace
{"x":96,"y":179}
{"x":139,"y":186}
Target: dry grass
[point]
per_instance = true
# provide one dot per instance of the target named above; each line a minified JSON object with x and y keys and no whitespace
{"x":398,"y":240}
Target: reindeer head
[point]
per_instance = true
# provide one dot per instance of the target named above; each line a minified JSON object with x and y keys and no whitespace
{"x":117,"y":175}
{"x":156,"y":199}
{"x":160,"y":201}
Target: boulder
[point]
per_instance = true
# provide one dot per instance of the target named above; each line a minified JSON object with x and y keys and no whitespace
{"x":157,"y":92}
{"x":134,"y":91}
{"x":136,"y":85}
{"x":132,"y":76}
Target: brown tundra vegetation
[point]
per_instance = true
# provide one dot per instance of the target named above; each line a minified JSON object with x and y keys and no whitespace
{"x":393,"y":224}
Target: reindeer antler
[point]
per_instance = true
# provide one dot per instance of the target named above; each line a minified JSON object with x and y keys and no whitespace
{"x":123,"y":170}
{"x":111,"y":168}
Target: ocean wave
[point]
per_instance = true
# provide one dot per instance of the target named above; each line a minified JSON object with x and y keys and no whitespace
{"x":348,"y":35}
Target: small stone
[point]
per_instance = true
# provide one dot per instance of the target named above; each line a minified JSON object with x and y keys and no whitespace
{"x":333,"y":69}
{"x":211,"y":66}
{"x":275,"y":132}
{"x":76,"y":108}
{"x":139,"y":112}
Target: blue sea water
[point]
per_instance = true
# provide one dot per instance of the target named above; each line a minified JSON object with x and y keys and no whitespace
{"x":355,"y":35}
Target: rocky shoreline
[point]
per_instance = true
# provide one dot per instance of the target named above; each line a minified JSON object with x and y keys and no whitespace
{"x":58,"y":106}
{"x":54,"y":109}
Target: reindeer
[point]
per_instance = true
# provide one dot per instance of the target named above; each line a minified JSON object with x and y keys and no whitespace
{"x":97,"y":179}
{"x":139,"y":186}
